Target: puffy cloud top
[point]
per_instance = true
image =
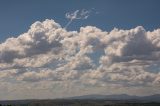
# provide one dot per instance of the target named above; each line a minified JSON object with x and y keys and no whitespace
{"x":91,"y":57}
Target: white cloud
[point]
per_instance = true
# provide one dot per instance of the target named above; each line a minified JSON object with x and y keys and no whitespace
{"x":48,"y":53}
{"x":77,"y":15}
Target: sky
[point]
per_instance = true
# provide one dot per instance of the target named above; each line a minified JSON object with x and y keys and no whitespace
{"x":56,"y":48}
{"x":18,"y":15}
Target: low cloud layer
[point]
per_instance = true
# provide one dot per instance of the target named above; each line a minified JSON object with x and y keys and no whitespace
{"x":50,"y":58}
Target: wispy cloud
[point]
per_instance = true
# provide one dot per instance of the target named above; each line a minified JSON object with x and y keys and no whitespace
{"x":77,"y":15}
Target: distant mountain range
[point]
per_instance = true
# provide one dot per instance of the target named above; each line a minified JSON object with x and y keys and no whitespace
{"x":151,"y":98}
{"x":113,"y":98}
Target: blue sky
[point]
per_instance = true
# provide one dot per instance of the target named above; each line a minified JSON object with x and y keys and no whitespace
{"x":16,"y":16}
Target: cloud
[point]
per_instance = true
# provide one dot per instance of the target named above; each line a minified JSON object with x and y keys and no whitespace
{"x":38,"y":40}
{"x":88,"y":59}
{"x":77,"y":15}
{"x":83,"y":14}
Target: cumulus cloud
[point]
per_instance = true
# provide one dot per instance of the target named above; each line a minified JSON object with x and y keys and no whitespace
{"x":90,"y":58}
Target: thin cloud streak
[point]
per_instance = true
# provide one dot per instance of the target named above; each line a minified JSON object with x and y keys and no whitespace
{"x":77,"y":15}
